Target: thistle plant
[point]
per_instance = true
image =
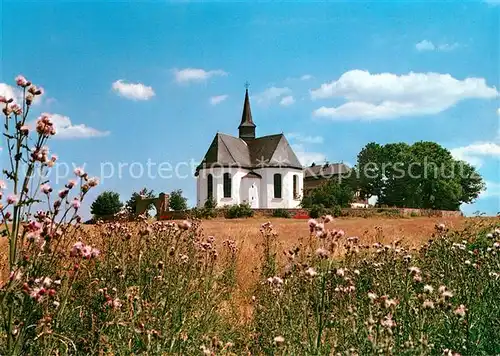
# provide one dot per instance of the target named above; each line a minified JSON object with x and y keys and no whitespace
{"x":35,"y":245}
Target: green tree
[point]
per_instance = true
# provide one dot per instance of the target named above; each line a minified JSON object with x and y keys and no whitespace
{"x":132,"y":202}
{"x":329,"y":195}
{"x":422,"y":175}
{"x":176,"y":201}
{"x":107,"y":203}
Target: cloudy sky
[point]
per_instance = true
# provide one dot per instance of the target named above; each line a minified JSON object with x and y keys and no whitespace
{"x":153,"y":81}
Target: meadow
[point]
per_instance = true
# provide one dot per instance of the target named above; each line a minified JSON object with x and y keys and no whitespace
{"x":410,"y":286}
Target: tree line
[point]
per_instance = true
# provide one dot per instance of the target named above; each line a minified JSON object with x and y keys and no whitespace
{"x":422,"y":175}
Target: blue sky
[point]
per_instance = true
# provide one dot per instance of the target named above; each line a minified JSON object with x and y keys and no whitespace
{"x":132,"y":82}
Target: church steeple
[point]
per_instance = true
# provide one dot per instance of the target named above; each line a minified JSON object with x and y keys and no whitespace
{"x":247,"y":127}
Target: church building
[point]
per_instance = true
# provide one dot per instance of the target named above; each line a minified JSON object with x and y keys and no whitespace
{"x":261,"y":171}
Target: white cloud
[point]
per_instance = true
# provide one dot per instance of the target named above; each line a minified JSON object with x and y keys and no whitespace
{"x":9,"y":92}
{"x":388,"y":95}
{"x":492,"y":190}
{"x":66,"y":130}
{"x":307,"y":158}
{"x":287,"y":100}
{"x":214,"y":100}
{"x":306,"y":77}
{"x":133,"y":91}
{"x":304,"y":139}
{"x":474,"y":153}
{"x":448,"y":46}
{"x":271,"y":94}
{"x":187,"y":75}
{"x":426,"y":45}
{"x":498,"y":111}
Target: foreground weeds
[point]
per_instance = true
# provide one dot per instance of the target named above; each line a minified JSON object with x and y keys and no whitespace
{"x":380,"y":299}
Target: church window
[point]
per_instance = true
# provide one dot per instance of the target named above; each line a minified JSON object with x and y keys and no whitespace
{"x":210,"y":186}
{"x":277,"y":185}
{"x":227,"y":185}
{"x":295,"y":186}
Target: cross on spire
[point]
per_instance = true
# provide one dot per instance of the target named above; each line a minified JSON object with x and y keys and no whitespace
{"x":247,"y":85}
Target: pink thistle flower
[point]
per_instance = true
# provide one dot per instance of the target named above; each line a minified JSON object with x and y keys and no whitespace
{"x":2,"y":185}
{"x":428,"y":289}
{"x":75,"y":204}
{"x":76,"y":249}
{"x":321,"y":234}
{"x":71,"y":183}
{"x":327,"y":219}
{"x":278,"y":340}
{"x":22,"y":81}
{"x":25,"y":130}
{"x":93,"y":182}
{"x":311,"y":272}
{"x":321,"y":253}
{"x":320,"y":227}
{"x":79,"y":172}
{"x":16,"y":109}
{"x":389,"y":303}
{"x":45,"y":126}
{"x":12,"y":199}
{"x":185,"y":225}
{"x":428,"y":304}
{"x":3,"y":99}
{"x":63,"y":193}
{"x":86,"y":252}
{"x":388,"y":322}
{"x":312,"y":224}
{"x":414,"y":270}
{"x":95,"y":253}
{"x":45,"y":188}
{"x":460,"y":311}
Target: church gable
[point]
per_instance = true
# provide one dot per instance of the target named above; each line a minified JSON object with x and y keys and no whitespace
{"x":283,"y":155}
{"x":247,"y":151}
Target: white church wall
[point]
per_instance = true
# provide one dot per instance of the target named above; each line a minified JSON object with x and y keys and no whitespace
{"x":287,"y":200}
{"x":218,"y":185}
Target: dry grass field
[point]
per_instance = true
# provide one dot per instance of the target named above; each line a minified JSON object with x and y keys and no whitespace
{"x":411,"y":231}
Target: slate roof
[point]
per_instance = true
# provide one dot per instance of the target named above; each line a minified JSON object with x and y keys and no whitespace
{"x":325,"y":171}
{"x":261,"y":152}
{"x":246,"y":116}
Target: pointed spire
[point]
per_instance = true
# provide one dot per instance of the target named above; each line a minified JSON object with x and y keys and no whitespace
{"x":247,"y":126}
{"x":246,"y":117}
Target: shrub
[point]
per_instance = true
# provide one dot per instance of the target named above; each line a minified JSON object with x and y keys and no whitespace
{"x":208,"y":211}
{"x":281,"y":213}
{"x":336,"y":211}
{"x":176,"y":201}
{"x":106,"y":204}
{"x":330,"y":194}
{"x":316,"y":211}
{"x":239,"y":211}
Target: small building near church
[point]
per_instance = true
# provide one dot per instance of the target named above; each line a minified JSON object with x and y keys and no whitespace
{"x":261,"y":171}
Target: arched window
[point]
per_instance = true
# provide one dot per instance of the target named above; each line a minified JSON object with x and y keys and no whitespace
{"x":227,"y":185}
{"x":210,"y":186}
{"x":277,"y":185}
{"x":295,"y":186}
